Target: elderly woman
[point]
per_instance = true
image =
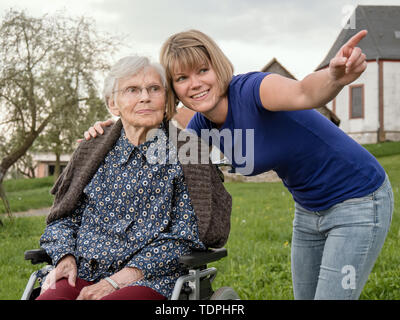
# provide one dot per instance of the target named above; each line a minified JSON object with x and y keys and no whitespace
{"x":120,"y":222}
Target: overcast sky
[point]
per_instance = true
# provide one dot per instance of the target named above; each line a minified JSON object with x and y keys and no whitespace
{"x":299,"y":33}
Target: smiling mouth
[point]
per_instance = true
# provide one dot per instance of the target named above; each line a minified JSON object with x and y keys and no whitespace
{"x":201,"y":94}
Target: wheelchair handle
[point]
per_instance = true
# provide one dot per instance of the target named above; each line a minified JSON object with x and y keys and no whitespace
{"x":37,"y":256}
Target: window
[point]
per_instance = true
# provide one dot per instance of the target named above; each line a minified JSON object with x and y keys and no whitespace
{"x":357,"y":101}
{"x":52,"y":169}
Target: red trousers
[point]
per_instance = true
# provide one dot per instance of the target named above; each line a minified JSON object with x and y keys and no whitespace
{"x":63,"y":291}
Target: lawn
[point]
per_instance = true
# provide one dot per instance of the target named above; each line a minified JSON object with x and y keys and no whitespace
{"x":25,"y":194}
{"x":258,"y":262}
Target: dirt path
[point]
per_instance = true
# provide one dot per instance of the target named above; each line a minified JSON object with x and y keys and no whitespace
{"x":32,"y":212}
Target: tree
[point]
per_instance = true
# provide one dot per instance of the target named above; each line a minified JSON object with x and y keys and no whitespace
{"x":60,"y":135}
{"x":49,"y":67}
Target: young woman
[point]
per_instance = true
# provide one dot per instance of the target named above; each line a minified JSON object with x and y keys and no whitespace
{"x":343,"y":198}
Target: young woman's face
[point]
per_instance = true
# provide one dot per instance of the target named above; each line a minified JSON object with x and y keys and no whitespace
{"x":197,"y":89}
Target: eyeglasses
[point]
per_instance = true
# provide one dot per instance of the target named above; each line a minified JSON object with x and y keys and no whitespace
{"x":135,"y":92}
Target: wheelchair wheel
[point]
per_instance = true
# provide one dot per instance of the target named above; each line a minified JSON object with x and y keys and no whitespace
{"x":225,"y":293}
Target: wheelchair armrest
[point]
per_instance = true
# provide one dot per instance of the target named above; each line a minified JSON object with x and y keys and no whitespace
{"x":201,"y":258}
{"x":37,"y":256}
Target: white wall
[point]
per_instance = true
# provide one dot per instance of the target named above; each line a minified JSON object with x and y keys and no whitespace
{"x":365,"y":130}
{"x":362,"y":130}
{"x":391,"y":99}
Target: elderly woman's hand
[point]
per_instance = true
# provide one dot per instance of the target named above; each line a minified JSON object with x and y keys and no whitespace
{"x":96,"y":291}
{"x":66,"y":268}
{"x":123,"y":278}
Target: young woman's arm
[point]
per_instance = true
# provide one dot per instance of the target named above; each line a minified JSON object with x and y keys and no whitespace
{"x":318,"y":88}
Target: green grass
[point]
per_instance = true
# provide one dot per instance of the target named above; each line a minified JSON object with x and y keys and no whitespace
{"x":17,"y":236}
{"x":258,"y":262}
{"x":25,"y":194}
{"x":384,"y":281}
{"x":16,"y":185}
{"x":384,"y":149}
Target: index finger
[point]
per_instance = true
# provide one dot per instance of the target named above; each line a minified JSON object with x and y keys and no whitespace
{"x":354,"y":40}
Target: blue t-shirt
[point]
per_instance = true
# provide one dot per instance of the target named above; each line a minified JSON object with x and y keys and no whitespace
{"x":318,"y":163}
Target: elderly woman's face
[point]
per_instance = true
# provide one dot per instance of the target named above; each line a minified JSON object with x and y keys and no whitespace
{"x":140,"y":99}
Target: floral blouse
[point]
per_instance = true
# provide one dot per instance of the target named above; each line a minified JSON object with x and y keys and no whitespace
{"x":133,"y":213}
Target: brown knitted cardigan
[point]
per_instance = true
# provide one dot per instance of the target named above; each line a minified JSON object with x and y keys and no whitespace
{"x":212,"y":204}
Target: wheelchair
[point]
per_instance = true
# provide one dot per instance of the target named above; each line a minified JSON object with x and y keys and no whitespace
{"x":196,"y":285}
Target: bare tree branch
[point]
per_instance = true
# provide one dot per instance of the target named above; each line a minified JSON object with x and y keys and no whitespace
{"x":47,"y":81}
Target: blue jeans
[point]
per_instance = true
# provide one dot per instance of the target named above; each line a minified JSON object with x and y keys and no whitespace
{"x":333,"y":251}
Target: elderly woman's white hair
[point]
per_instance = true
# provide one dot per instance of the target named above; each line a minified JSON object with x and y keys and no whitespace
{"x":129,"y":66}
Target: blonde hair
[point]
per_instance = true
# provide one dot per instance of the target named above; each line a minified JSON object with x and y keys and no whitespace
{"x":191,"y":49}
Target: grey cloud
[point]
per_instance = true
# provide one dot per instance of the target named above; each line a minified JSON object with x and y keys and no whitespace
{"x":277,"y":28}
{"x":297,"y":30}
{"x":248,"y":21}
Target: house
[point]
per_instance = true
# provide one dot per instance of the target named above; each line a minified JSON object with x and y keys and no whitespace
{"x":45,"y":163}
{"x":275,"y":66}
{"x":369,"y":108}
